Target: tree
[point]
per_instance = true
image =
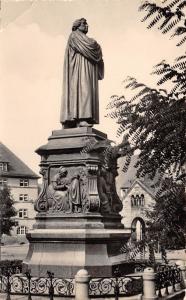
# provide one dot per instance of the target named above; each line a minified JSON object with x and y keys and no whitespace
{"x":7,"y":211}
{"x":154,"y":122}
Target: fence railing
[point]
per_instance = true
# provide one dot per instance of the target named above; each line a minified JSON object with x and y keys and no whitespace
{"x":43,"y":286}
{"x":127,"y":285}
{"x":168,"y":279}
{"x":19,"y":284}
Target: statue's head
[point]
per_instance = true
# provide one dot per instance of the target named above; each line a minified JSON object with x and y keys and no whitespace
{"x":81,"y":25}
{"x":63,"y":171}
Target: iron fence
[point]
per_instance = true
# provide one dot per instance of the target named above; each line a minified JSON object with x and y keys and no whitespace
{"x":116,"y":286}
{"x":26,"y":284}
{"x":36,"y":286}
{"x":167,"y":276}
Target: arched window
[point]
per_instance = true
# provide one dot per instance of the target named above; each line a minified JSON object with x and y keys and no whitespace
{"x":132,"y":200}
{"x":137,"y":200}
{"x":137,"y":229}
{"x":142,"y":200}
{"x":21,"y":230}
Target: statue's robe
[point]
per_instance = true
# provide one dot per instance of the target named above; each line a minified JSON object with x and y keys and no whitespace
{"x":83,"y":67}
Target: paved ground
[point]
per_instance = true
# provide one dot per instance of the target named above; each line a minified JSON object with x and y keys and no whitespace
{"x":12,"y":252}
{"x":19,"y":297}
{"x":3,"y":297}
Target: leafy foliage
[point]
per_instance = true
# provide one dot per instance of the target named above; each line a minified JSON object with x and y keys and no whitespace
{"x":110,"y":153}
{"x":175,"y":73}
{"x":167,"y":219}
{"x":134,"y":248}
{"x":13,"y":266}
{"x":170,"y":17}
{"x":7,"y":210}
{"x":155,"y":123}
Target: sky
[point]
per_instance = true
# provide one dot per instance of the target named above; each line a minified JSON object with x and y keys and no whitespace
{"x":33,"y":37}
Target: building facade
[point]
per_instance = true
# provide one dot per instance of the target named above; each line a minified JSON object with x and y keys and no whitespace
{"x":136,"y":201}
{"x":23,"y":184}
{"x":137,"y":197}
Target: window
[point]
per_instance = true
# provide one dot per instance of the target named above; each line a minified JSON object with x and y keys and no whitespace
{"x":3,"y":166}
{"x":123,"y":192}
{"x":3,"y":181}
{"x":142,"y":200}
{"x":23,"y":213}
{"x":22,"y":230}
{"x":23,"y":197}
{"x":24,"y":182}
{"x":137,"y":200}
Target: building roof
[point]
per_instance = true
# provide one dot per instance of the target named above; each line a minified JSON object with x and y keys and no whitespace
{"x":16,"y":167}
{"x":126,"y":179}
{"x":142,"y":185}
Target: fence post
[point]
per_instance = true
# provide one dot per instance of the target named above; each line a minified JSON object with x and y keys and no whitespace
{"x":149,"y":288}
{"x":51,"y":287}
{"x":82,"y":285}
{"x":181,"y":265}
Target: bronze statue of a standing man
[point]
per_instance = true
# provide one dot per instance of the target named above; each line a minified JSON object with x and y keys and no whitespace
{"x":83,"y":67}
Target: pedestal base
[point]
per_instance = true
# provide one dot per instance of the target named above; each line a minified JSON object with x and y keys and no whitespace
{"x":65,"y":251}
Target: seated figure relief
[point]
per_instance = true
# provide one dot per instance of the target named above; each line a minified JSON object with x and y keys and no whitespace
{"x":64,"y":193}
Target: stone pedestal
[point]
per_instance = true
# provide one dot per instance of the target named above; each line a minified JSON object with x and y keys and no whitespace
{"x":78,"y":223}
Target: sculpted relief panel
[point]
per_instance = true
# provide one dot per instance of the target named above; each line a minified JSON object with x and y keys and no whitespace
{"x":67,"y":190}
{"x":79,"y":189}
